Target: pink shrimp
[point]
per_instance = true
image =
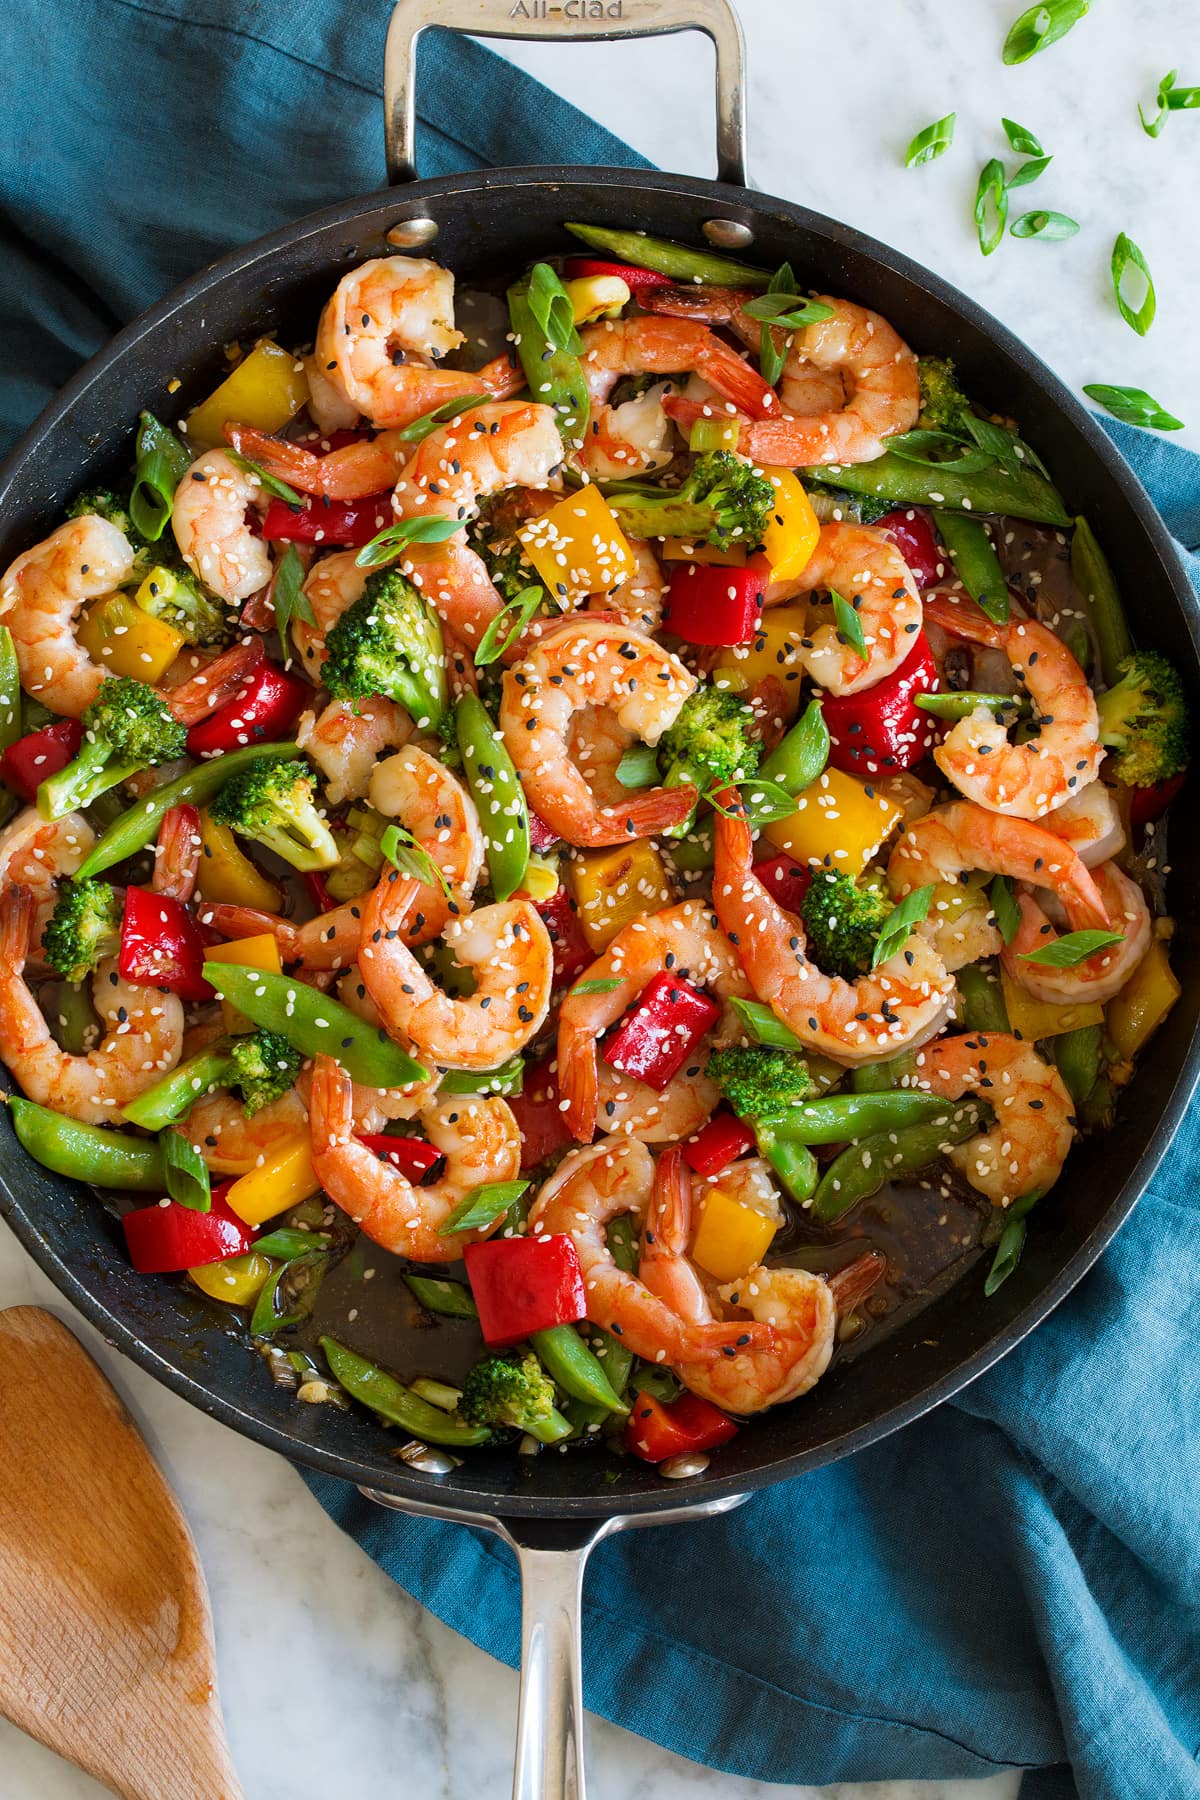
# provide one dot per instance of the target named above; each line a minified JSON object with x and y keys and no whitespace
{"x":1098,"y":978}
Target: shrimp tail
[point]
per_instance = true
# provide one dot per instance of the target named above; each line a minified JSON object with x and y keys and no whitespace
{"x":708,"y":305}
{"x":851,"y":1285}
{"x":18,"y":924}
{"x":501,"y":378}
{"x":218,"y":682}
{"x":963,"y":619}
{"x":286,"y":462}
{"x":330,"y":1108}
{"x":177,"y":853}
{"x":720,"y":365}
{"x":579,"y":1084}
{"x":247,"y":921}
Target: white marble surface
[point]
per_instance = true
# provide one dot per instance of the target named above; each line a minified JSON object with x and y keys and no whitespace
{"x":371,"y":1681}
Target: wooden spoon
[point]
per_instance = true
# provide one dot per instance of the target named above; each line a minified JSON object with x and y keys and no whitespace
{"x":106,"y":1650}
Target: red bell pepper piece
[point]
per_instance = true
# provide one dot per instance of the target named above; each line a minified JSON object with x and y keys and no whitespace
{"x":164,"y":1238}
{"x":882,"y":730}
{"x":572,"y":952}
{"x":655,"y":1431}
{"x":1149,"y":803}
{"x":913,"y":535}
{"x":660,"y":1030}
{"x":162,"y":945}
{"x":638,"y":281}
{"x":718,"y":1144}
{"x":785,"y":880}
{"x":318,"y":893}
{"x":40,"y":754}
{"x":321,"y":521}
{"x":539,"y":1115}
{"x":266,"y":708}
{"x":525,"y":1284}
{"x":412,"y":1156}
{"x":541,"y":836}
{"x":708,"y":604}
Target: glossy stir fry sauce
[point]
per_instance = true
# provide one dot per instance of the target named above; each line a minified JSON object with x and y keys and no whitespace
{"x":571,"y":889}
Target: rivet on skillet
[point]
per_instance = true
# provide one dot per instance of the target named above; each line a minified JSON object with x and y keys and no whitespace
{"x":726,"y":234}
{"x":421,"y":1456}
{"x":682,"y":1468}
{"x":412,"y":234}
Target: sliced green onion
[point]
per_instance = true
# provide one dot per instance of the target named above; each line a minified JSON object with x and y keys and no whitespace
{"x":509,"y":1078}
{"x":763,"y":1027}
{"x":712,"y":434}
{"x":1073,"y":948}
{"x":1021,"y":138}
{"x":898,"y":927}
{"x":1004,"y":906}
{"x":441,"y":415}
{"x":1029,"y":171}
{"x":1040,"y":26}
{"x":1170,"y":99}
{"x":602,"y":985}
{"x":508,"y":624}
{"x":288,"y":599}
{"x":399,"y":846}
{"x":393,"y":540}
{"x":162,"y":463}
{"x":482,"y":1206}
{"x":270,"y":484}
{"x":287,"y":1243}
{"x":185,"y":1172}
{"x":1133,"y":406}
{"x":1127,"y":256}
{"x":1049,"y":226}
{"x":991,"y":197}
{"x":849,"y":625}
{"x":932,"y":142}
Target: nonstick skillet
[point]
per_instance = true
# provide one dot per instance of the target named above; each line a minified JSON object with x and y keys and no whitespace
{"x":552,"y":1509}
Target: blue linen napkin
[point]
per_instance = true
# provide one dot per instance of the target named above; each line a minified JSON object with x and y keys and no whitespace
{"x":1012,"y":1580}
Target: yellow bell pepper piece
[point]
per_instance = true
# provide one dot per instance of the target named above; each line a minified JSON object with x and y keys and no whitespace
{"x":838,"y":821}
{"x":592,"y":296}
{"x":237,"y":1280}
{"x":259,"y":952}
{"x":1143,"y":1003}
{"x":792,"y":529}
{"x":577,"y":547}
{"x":773,"y":650}
{"x":683,"y":550}
{"x":1031,"y":1018}
{"x":731,"y":1237}
{"x":267,"y":388}
{"x":613,"y":887}
{"x":127,"y":640}
{"x":540,"y":879}
{"x":286,"y":1178}
{"x":226,"y":873}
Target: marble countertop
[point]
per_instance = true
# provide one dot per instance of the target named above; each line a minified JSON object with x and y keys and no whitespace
{"x":835,"y":95}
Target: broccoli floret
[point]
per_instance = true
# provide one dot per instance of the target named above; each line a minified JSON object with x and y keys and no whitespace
{"x":272,"y":803}
{"x":84,"y":928}
{"x":1144,"y":722}
{"x":944,"y":406}
{"x":171,"y":592}
{"x":514,"y":1391}
{"x":724,"y":499}
{"x":106,"y":505}
{"x":509,"y":568}
{"x":760,"y":1082}
{"x":712,"y":735}
{"x":843,"y":921}
{"x":838,"y":505}
{"x":389,"y":642}
{"x":127,"y":727}
{"x":261,"y":1065}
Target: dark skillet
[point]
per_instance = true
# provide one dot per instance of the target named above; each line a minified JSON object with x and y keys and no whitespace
{"x":496,"y":220}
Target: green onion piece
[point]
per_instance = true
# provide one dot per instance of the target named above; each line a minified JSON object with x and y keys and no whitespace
{"x":849,"y":625}
{"x":288,"y":598}
{"x":1040,"y":26}
{"x":162,"y":462}
{"x":638,"y":768}
{"x":508,"y":625}
{"x":270,"y":484}
{"x":764,"y":802}
{"x":762,"y":1027}
{"x":787,"y":307}
{"x":899,"y":924}
{"x":1125,"y":257}
{"x":268,"y":1316}
{"x":771,"y":357}
{"x":1092,"y":574}
{"x":10,"y":690}
{"x":400,"y":848}
{"x":932,"y":142}
{"x":441,"y":415}
{"x":1029,"y":171}
{"x":1133,"y":406}
{"x":665,"y":257}
{"x":286,"y":1243}
{"x":1170,"y":99}
{"x":1075,"y":947}
{"x":991,"y":205}
{"x":482,"y":1206}
{"x":1005,"y":908}
{"x":1051,"y":227}
{"x":185,"y":1172}
{"x":393,"y":540}
{"x":607,"y":985}
{"x":1021,"y":138}
{"x":1011,"y":1241}
{"x":509,"y":1078}
{"x":710,"y":434}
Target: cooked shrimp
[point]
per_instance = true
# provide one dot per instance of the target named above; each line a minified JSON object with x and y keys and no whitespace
{"x":485,"y":451}
{"x":209,"y":522}
{"x":347,"y":738}
{"x":1090,"y":822}
{"x":207,"y":680}
{"x":613,"y":348}
{"x":40,"y":598}
{"x":142,"y":1030}
{"x":1028,"y":1144}
{"x":177,"y":853}
{"x":387,"y":321}
{"x":367,"y":469}
{"x":1101,"y":976}
{"x":328,"y":406}
{"x":231,"y":1141}
{"x":902,"y":1003}
{"x":431,"y":803}
{"x":629,"y":1108}
{"x":331,"y":585}
{"x":1064,"y":754}
{"x":478,"y":1137}
{"x":452,"y":576}
{"x":506,"y":945}
{"x":639,"y":598}
{"x":589,"y":1188}
{"x":328,"y":941}
{"x":635,"y":438}
{"x":35,"y":855}
{"x":590,"y":663}
{"x":849,"y":383}
{"x":867,"y":570}
{"x":686,"y":940}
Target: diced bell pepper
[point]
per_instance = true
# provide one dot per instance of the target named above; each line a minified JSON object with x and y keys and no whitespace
{"x":267,"y":707}
{"x":572,"y":951}
{"x":162,"y":945}
{"x":596,"y":296}
{"x":613,"y":887}
{"x":414,"y":1157}
{"x":267,"y":388}
{"x":40,"y":754}
{"x":237,"y":1282}
{"x":708,"y":604}
{"x":785,"y":879}
{"x":127,"y":641}
{"x":661,"y":1030}
{"x":1143,"y":1003}
{"x":638,"y":280}
{"x":226,"y":873}
{"x":838,"y":821}
{"x":525,"y":1284}
{"x":731,"y":1236}
{"x":539,"y":1115}
{"x":912,"y":532}
{"x":351,"y":523}
{"x":774,"y":651}
{"x":1031,"y":1018}
{"x":719,"y":1143}
{"x":284,"y":1180}
{"x":882,"y":729}
{"x":167,"y":1237}
{"x":655,"y":1432}
{"x":792,"y":528}
{"x":577,"y":547}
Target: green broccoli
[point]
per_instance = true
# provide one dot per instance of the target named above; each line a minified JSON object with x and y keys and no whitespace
{"x":106,"y":505}
{"x":171,"y":592}
{"x":944,"y":406}
{"x":84,"y":927}
{"x":509,"y":568}
{"x":128,"y":727}
{"x":711,"y":740}
{"x":389,"y":642}
{"x":513,"y":1390}
{"x":838,"y":505}
{"x":1144,"y":722}
{"x":761,"y":1084}
{"x":261,"y":1065}
{"x":723,"y":500}
{"x":272,"y":803}
{"x":843,"y":921}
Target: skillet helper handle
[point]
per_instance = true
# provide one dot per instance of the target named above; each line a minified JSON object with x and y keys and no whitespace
{"x":587,"y":20}
{"x":549,"y":1756}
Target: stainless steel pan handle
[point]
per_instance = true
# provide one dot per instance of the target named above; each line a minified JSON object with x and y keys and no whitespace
{"x":545,"y":21}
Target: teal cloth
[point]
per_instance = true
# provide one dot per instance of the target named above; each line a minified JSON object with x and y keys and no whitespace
{"x":1010,"y":1582}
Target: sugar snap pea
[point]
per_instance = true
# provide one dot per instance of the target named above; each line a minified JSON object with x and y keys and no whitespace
{"x":390,"y":1398}
{"x":962,"y":704}
{"x":315,"y":1023}
{"x":1021,"y":492}
{"x":974,"y":557}
{"x":497,"y":793}
{"x":865,"y":1167}
{"x":835,"y":1118}
{"x":576,"y":1369}
{"x":1077,"y":1054}
{"x":94,"y":1153}
{"x":1093,"y":576}
{"x":983,"y":999}
{"x":450,"y":1299}
{"x":666,"y":257}
{"x":800,"y":757}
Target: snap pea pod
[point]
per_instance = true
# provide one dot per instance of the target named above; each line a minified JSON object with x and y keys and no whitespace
{"x":94,"y":1153}
{"x":974,"y":556}
{"x":287,"y":1243}
{"x":962,"y":704}
{"x":1093,"y":576}
{"x":1020,"y":492}
{"x":617,"y":1359}
{"x":68,"y":1007}
{"x":450,"y":1299}
{"x":497,"y":793}
{"x":196,"y":787}
{"x":548,"y":345}
{"x":268,"y":1316}
{"x":509,"y":1078}
{"x":390,"y":1398}
{"x":793,"y":1162}
{"x":799,"y":758}
{"x":863,"y":1168}
{"x":577,"y":1370}
{"x":315,"y":1024}
{"x":10,"y":690}
{"x":1077,"y":1054}
{"x":1011,"y":1241}
{"x":836,"y":1118}
{"x":983,"y":999}
{"x":881,"y":1077}
{"x":763,"y":1027}
{"x":696,"y":851}
{"x":666,"y":257}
